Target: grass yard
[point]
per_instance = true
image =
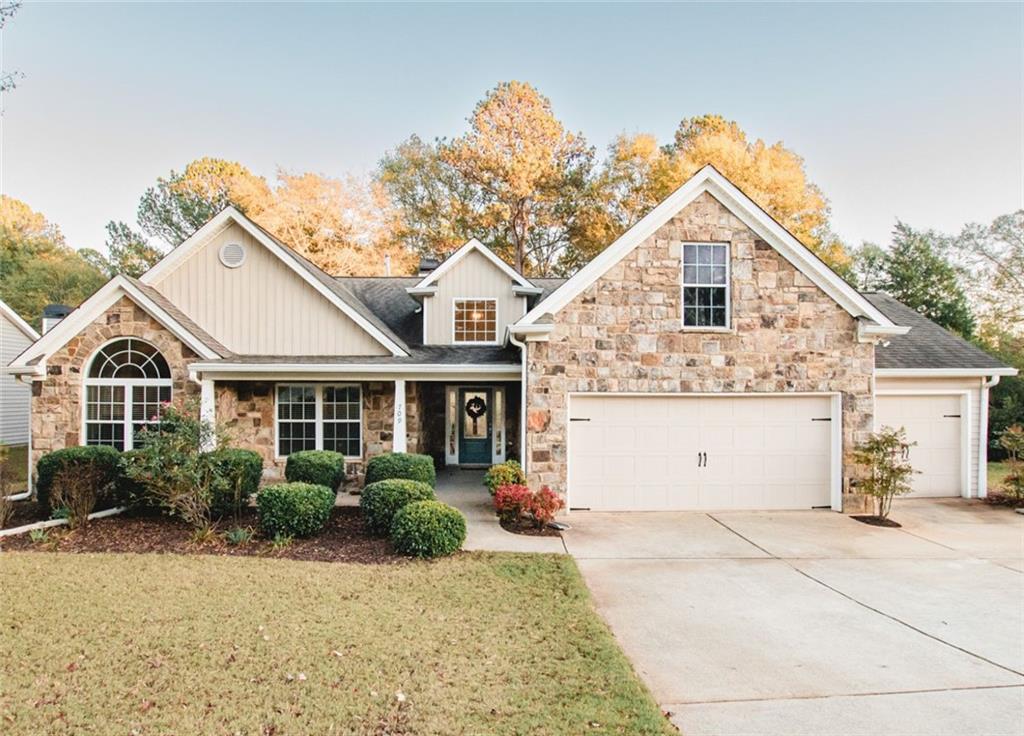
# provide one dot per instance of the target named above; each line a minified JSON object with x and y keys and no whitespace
{"x":997,"y":473}
{"x":160,"y":644}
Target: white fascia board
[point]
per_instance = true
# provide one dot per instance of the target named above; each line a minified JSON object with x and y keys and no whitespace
{"x":354,"y":371}
{"x":15,"y":319}
{"x":229,"y":215}
{"x":943,"y":372}
{"x":536,"y":329}
{"x":883,"y":330}
{"x":527,"y":290}
{"x":709,"y":180}
{"x":472,"y":245}
{"x":92,"y":308}
{"x":421,"y":290}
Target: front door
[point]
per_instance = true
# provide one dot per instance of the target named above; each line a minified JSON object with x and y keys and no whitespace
{"x":475,"y":426}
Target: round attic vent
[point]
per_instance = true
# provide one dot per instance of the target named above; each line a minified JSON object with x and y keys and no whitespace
{"x":232,"y":255}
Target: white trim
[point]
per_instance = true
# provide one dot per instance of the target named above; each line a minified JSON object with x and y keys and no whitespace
{"x":498,"y":411}
{"x":709,"y":180}
{"x":425,"y":291}
{"x":727,"y":327}
{"x":527,"y":291}
{"x":982,"y":430}
{"x":92,"y":308}
{"x":497,"y":317}
{"x":398,"y":429}
{"x":943,"y":372}
{"x":965,"y":426}
{"x":374,"y":369}
{"x":318,"y":417}
{"x":468,"y":247}
{"x":15,"y":319}
{"x":836,"y":430}
{"x":451,"y":429}
{"x":869,"y":329}
{"x":169,"y":262}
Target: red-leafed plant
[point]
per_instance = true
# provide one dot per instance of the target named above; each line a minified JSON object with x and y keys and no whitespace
{"x":543,"y":505}
{"x":510,"y":501}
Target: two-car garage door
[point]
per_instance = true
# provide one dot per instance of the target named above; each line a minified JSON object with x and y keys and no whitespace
{"x":656,"y":453}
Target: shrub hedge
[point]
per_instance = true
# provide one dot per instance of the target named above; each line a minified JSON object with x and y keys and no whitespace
{"x":240,"y":471}
{"x":401,"y":465}
{"x":106,"y":459}
{"x":294,"y":509}
{"x":428,"y":529}
{"x":319,"y":467}
{"x":380,"y":501}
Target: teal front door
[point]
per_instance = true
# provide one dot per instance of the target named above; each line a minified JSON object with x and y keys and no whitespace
{"x":474,"y":426}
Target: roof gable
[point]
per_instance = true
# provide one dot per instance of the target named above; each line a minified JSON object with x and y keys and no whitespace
{"x":708,"y":179}
{"x":471,"y":246}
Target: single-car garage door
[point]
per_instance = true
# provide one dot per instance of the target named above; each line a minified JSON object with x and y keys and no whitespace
{"x":659,"y":453}
{"x":935,"y":424}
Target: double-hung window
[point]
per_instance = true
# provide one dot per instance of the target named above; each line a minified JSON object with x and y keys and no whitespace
{"x":475,"y":320}
{"x":319,"y":417}
{"x":706,"y":285}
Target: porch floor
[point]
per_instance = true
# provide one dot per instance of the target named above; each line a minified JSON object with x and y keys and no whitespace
{"x":464,"y":489}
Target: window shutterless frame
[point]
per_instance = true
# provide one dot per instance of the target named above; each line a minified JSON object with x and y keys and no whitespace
{"x":489,"y":302}
{"x":705,"y":295}
{"x":317,"y":421}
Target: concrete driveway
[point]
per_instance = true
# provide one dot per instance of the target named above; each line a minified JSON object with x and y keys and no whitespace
{"x":814,"y":623}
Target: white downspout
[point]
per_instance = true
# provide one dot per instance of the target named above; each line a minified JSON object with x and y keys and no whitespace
{"x":983,"y":436}
{"x":523,"y":454}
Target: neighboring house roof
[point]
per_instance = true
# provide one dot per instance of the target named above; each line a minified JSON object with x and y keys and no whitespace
{"x":708,"y":179}
{"x":928,"y":346}
{"x":311,"y":274}
{"x":15,"y":319}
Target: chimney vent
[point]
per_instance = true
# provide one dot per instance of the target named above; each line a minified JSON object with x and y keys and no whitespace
{"x":427,"y":265}
{"x":54,"y":313}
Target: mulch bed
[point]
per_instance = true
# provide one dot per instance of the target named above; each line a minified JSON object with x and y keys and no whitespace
{"x":25,"y":512}
{"x":998,"y":498}
{"x":878,"y":521}
{"x":344,"y":539}
{"x":528,"y":528}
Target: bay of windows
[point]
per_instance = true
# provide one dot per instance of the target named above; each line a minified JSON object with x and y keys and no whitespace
{"x":319,"y":417}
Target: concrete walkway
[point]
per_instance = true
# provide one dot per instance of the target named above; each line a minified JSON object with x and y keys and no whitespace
{"x":813,"y":623}
{"x":465,"y":490}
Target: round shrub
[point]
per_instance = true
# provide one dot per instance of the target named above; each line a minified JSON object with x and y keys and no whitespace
{"x":319,"y":467}
{"x":240,"y":471}
{"x":428,"y":529}
{"x":401,"y":465}
{"x":294,"y":509}
{"x":508,"y":473}
{"x":380,"y":501}
{"x":105,"y":459}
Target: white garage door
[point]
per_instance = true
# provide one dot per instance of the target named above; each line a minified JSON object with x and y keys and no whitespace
{"x":655,"y":453}
{"x":934,"y":423}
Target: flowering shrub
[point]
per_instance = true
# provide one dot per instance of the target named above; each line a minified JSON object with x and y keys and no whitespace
{"x":505,"y":474}
{"x":510,"y":501}
{"x":543,"y":505}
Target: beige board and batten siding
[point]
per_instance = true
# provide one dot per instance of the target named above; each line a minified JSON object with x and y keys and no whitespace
{"x":15,"y":397}
{"x":886,"y":386}
{"x":261,"y":307}
{"x":473,"y":277}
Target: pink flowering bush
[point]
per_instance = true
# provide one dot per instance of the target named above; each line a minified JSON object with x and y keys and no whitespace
{"x":543,"y":505}
{"x":510,"y":501}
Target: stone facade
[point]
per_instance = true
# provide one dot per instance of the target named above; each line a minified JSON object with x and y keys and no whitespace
{"x":57,"y":399}
{"x":624,"y":334}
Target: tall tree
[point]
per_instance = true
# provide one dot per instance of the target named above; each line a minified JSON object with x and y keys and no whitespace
{"x":918,"y":275}
{"x":36,"y":266}
{"x":128,"y":252}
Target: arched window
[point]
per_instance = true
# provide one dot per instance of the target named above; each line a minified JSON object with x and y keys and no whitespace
{"x":126,"y":385}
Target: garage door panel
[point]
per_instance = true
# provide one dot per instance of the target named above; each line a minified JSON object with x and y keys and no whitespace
{"x":653,"y":439}
{"x":933,"y":421}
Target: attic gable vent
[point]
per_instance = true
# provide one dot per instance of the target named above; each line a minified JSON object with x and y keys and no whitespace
{"x":232,"y":255}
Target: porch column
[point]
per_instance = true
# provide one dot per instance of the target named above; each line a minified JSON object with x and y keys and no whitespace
{"x":398,"y":437}
{"x":208,"y":412}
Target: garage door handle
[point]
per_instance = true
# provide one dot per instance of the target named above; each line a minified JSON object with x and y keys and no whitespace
{"x":702,"y":459}
{"x":951,"y":416}
{"x":575,"y":419}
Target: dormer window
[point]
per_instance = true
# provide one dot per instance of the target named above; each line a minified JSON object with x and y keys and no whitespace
{"x":706,"y":286}
{"x":476,"y":321}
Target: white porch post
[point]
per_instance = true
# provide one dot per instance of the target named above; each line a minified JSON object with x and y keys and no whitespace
{"x":398,"y":440}
{"x":207,"y":411}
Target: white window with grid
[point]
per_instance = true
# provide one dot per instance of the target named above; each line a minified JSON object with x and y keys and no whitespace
{"x":127,"y":384}
{"x":475,"y":321}
{"x":705,"y":284}
{"x":319,"y":417}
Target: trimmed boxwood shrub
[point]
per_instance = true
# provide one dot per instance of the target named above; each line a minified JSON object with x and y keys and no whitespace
{"x":401,"y":465}
{"x":428,"y":529}
{"x":319,"y":467}
{"x":380,"y":501}
{"x":294,"y":509}
{"x":106,"y":459}
{"x":241,"y":471}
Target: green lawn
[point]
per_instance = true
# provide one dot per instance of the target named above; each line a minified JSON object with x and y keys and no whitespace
{"x":158,"y":644}
{"x":997,"y":472}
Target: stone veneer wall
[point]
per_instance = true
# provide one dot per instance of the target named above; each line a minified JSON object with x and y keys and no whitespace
{"x":57,"y":399}
{"x":623,"y":333}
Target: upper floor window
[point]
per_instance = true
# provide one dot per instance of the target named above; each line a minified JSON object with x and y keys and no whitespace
{"x":126,"y":386}
{"x":476,"y":320}
{"x":706,"y":285}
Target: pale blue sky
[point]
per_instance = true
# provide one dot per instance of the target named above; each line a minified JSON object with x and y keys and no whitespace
{"x":910,"y":111}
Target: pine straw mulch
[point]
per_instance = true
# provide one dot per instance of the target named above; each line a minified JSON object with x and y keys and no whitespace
{"x":344,"y":539}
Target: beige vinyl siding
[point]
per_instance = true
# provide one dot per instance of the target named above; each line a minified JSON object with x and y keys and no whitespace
{"x":970,"y":384}
{"x":473,"y":277}
{"x":262,"y":307}
{"x":15,"y":397}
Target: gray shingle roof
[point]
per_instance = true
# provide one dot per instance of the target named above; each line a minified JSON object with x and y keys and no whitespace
{"x":927,"y":345}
